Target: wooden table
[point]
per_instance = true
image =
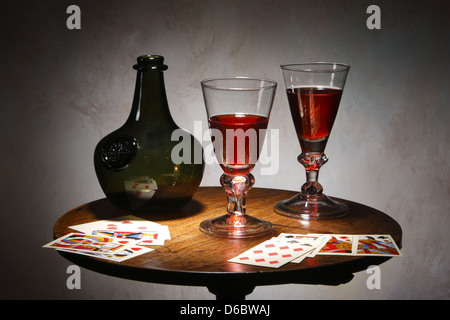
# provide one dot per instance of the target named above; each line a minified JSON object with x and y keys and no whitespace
{"x":196,"y":259}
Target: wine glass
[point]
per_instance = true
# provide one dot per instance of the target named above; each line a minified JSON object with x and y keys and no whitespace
{"x":238,"y":112}
{"x":314,"y":91}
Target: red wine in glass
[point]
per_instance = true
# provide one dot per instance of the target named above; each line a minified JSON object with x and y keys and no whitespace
{"x":314,"y":92}
{"x":238,"y":113}
{"x":241,"y":141}
{"x":313,"y":111}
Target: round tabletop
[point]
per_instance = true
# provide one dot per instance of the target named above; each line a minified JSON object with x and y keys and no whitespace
{"x":196,"y":259}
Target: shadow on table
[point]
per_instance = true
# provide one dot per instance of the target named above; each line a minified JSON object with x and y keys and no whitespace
{"x":104,"y":209}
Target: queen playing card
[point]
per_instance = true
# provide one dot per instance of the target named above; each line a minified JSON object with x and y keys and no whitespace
{"x":377,"y":245}
{"x":339,"y":244}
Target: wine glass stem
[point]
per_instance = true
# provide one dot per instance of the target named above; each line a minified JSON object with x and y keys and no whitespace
{"x":236,"y":188}
{"x":312,"y":175}
{"x":312,"y":161}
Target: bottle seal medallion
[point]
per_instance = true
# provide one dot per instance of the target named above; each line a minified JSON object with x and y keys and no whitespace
{"x":119,"y":152}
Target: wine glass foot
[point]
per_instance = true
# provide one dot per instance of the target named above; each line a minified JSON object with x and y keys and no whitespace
{"x":236,"y":227}
{"x":300,"y":207}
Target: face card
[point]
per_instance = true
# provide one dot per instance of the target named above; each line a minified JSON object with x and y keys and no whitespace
{"x":121,"y":255}
{"x":89,"y":243}
{"x":130,"y":252}
{"x":98,"y":246}
{"x":377,"y":245}
{"x":272,"y":253}
{"x":120,"y":234}
{"x":130,"y":227}
{"x":144,"y":238}
{"x":339,"y":244}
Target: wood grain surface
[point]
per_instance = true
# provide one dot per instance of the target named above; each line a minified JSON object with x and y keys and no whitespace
{"x":194,"y":258}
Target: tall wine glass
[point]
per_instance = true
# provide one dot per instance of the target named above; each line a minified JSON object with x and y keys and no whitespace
{"x":238,"y":112}
{"x":314,"y":92}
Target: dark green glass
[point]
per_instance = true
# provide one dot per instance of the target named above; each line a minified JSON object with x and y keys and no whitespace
{"x":134,"y":163}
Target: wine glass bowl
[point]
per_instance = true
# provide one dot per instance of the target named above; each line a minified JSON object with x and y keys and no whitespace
{"x":238,"y":111}
{"x":314,"y":92}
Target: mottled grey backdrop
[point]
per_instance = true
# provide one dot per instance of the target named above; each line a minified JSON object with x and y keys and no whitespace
{"x":62,"y":90}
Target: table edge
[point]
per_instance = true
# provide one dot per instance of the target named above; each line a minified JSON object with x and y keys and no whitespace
{"x":199,"y":278}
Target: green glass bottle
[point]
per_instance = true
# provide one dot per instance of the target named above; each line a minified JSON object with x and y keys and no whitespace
{"x":134,"y":164}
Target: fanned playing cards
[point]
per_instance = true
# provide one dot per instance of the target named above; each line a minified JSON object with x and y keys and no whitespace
{"x":107,"y":248}
{"x":117,"y":239}
{"x":361,"y":245}
{"x":127,"y":227}
{"x":294,"y":248}
{"x":126,"y":237}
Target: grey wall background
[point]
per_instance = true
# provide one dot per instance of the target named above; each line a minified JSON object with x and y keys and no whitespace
{"x":62,"y":90}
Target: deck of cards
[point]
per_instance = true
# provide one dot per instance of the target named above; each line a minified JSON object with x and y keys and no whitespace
{"x":117,"y":239}
{"x":294,"y":248}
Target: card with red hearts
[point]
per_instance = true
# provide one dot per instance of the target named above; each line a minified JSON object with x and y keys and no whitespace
{"x":108,"y":248}
{"x":127,"y":227}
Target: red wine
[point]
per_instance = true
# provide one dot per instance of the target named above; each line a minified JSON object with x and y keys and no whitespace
{"x":313,"y":110}
{"x":239,"y":150}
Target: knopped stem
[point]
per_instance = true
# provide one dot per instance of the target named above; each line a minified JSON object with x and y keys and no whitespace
{"x":312,"y":161}
{"x":237,"y":188}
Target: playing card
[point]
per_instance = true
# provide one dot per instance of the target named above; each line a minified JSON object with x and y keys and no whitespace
{"x":89,"y":243}
{"x":323,"y":241}
{"x":130,"y":227}
{"x":377,"y":245}
{"x":139,"y":190}
{"x":272,"y":253}
{"x":314,"y":241}
{"x":130,"y":252}
{"x":302,"y":257}
{"x":129,"y":222}
{"x":98,"y":246}
{"x":144,"y":238}
{"x":339,"y":244}
{"x":125,"y":253}
{"x":119,"y":234}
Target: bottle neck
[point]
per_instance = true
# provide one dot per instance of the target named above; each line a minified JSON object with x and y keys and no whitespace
{"x":150,"y":100}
